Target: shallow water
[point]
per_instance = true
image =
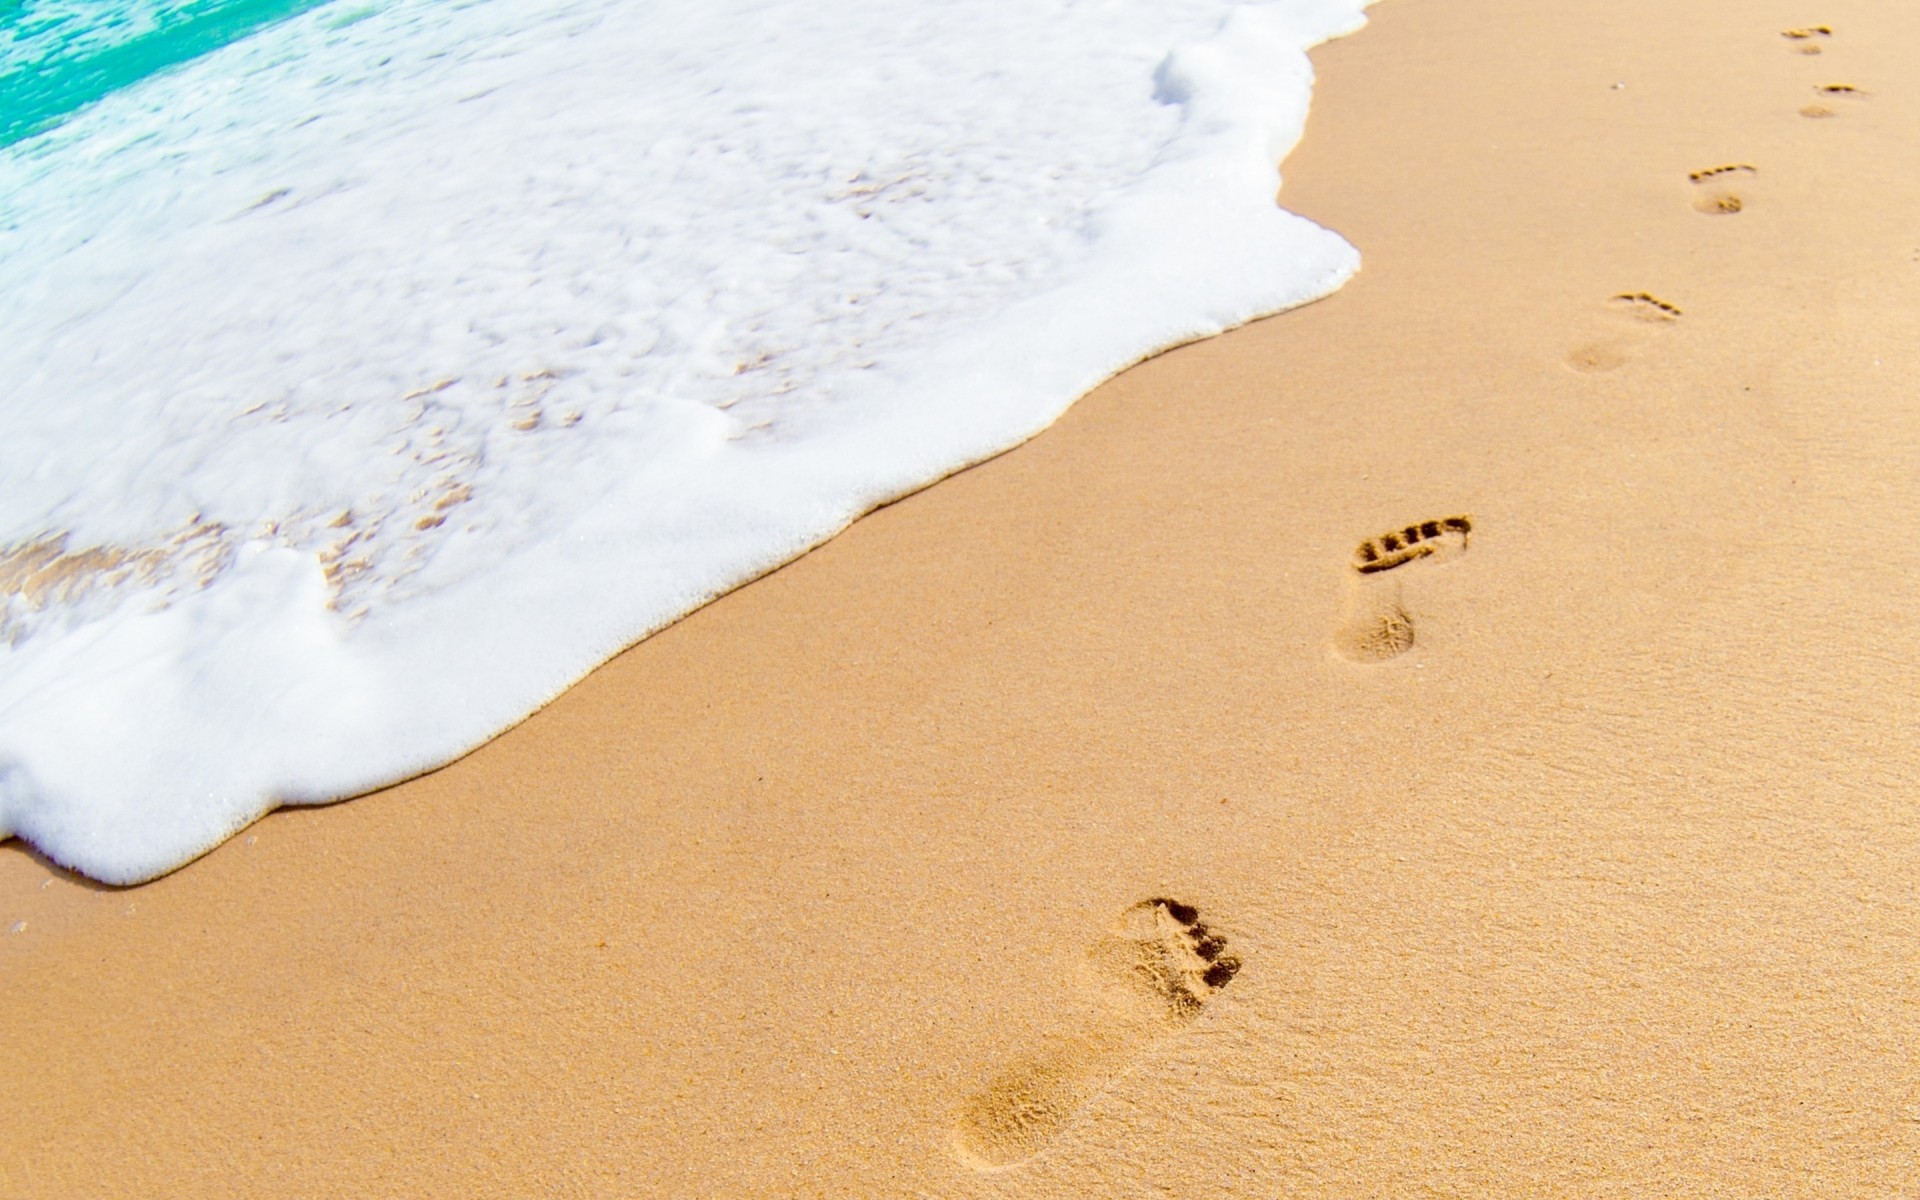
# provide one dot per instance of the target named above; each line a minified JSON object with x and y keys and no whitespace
{"x":57,"y":56}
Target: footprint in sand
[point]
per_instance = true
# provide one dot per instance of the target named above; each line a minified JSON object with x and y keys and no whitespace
{"x":1376,"y":626}
{"x":1714,"y":188}
{"x":1841,"y":92}
{"x":1808,"y":40}
{"x":1639,"y":311}
{"x":1644,"y":306}
{"x":1159,"y":966}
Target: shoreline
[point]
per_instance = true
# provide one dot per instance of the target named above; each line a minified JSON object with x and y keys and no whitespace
{"x":906,"y":868}
{"x":562,"y":476}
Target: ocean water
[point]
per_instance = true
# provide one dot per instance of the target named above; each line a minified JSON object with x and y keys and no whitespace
{"x":57,"y":56}
{"x":376,"y":370}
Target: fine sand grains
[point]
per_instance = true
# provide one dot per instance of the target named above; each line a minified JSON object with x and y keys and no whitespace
{"x":1575,"y":857}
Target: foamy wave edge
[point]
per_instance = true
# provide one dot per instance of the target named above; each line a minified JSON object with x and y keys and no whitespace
{"x":150,"y":737}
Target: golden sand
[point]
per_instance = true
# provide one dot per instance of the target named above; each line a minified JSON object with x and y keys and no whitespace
{"x":1577,"y":856}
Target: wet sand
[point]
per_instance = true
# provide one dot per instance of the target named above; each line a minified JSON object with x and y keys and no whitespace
{"x":1090,"y":825}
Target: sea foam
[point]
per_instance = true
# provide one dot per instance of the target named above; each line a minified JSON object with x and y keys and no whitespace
{"x":374,"y":377}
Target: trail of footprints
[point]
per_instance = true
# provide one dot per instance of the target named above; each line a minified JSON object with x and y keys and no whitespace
{"x":1162,"y":964}
{"x":1720,"y":190}
{"x":1157,"y":969}
{"x":1813,"y":40}
{"x":1715,"y":186}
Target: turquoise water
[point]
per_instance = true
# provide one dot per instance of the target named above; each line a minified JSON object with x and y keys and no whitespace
{"x":57,"y":56}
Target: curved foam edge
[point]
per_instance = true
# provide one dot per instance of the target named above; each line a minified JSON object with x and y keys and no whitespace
{"x":252,"y":693}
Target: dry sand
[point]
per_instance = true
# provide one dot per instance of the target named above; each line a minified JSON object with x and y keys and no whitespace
{"x":1609,"y":885}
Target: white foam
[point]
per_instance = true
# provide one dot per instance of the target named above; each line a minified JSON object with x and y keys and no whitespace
{"x":373,"y":379}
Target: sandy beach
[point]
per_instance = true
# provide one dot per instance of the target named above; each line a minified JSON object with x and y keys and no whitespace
{"x":1092,"y":824}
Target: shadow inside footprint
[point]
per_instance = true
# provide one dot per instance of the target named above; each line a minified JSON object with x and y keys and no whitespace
{"x":1645,"y":306}
{"x":1161,"y":965}
{"x":1447,"y":535}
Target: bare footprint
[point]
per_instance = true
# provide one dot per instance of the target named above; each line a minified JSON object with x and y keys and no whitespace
{"x":1714,"y":188}
{"x":1376,"y":626}
{"x":1644,"y":306}
{"x":1638,"y":310}
{"x":1808,"y":40}
{"x":1159,"y":966}
{"x":1402,"y":546}
{"x":1842,"y":92}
